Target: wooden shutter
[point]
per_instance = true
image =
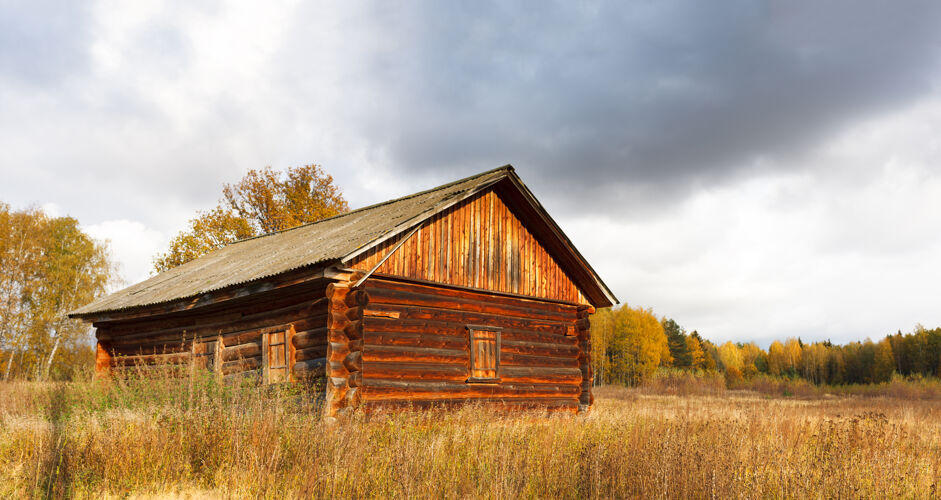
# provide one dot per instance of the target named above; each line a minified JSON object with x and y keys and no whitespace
{"x":484,"y":354}
{"x":276,"y":356}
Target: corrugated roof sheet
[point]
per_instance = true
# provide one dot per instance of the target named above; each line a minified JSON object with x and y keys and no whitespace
{"x":276,"y":253}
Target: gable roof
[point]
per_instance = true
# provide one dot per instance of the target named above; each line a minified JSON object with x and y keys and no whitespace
{"x":336,"y":239}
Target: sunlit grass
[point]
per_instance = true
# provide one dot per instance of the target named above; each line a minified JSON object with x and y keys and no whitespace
{"x":200,"y":438}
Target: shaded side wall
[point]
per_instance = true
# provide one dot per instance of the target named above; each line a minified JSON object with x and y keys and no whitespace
{"x":227,"y":338}
{"x":416,"y":350}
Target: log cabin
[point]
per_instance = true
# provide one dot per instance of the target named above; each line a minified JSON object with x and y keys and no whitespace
{"x":468,"y":292}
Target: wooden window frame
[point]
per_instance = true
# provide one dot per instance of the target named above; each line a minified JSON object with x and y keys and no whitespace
{"x":288,"y":355}
{"x":470,"y":346}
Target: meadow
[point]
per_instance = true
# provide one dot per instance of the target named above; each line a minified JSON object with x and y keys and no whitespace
{"x":675,"y":437}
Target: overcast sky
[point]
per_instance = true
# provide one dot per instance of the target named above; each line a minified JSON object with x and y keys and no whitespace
{"x":752,"y":170}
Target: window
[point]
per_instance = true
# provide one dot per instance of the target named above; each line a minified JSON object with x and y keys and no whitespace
{"x":484,"y":354}
{"x":276,"y":356}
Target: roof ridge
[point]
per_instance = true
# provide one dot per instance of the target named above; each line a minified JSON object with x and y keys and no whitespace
{"x":506,"y":167}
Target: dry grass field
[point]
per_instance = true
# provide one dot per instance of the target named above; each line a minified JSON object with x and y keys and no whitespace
{"x":197,"y":439}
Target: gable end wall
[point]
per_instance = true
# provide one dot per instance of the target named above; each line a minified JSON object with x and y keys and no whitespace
{"x":479,"y":243}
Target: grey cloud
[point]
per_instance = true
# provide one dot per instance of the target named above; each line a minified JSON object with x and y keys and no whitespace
{"x":630,"y":95}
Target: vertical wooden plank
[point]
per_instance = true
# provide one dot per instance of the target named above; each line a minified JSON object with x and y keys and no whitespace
{"x":472,"y":250}
{"x":292,"y":352}
{"x":498,"y":247}
{"x":417,"y":257}
{"x":463,"y":239}
{"x":447,"y":251}
{"x":525,"y":263}
{"x":433,"y":248}
{"x":508,"y":242}
{"x":491,"y":282}
{"x":265,"y":357}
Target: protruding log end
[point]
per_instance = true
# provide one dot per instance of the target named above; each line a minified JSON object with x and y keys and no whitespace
{"x":355,"y":379}
{"x":353,"y":397}
{"x":354,"y":330}
{"x":336,"y":320}
{"x":354,"y":313}
{"x":354,"y":361}
{"x":357,"y":298}
{"x":337,"y":291}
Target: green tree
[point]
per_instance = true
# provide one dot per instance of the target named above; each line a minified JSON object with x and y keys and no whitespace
{"x":676,"y":339}
{"x":263,"y":201}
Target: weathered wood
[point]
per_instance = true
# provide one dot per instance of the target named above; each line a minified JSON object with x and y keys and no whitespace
{"x":415,"y":371}
{"x":477,"y":243}
{"x":353,"y":397}
{"x":386,"y":354}
{"x":550,"y":405}
{"x":247,"y":316}
{"x":241,"y":351}
{"x":309,"y":368}
{"x":456,"y":328}
{"x":382,"y":295}
{"x":152,"y":359}
{"x":310,"y":353}
{"x":378,"y":389}
{"x":337,"y":349}
{"x":540,"y":375}
{"x":427,"y":340}
{"x":310,"y":338}
{"x":241,"y":365}
{"x":357,"y":298}
{"x":354,"y":361}
{"x":539,"y":349}
{"x":514,"y":359}
{"x":134,"y":349}
{"x":102,"y":360}
{"x":354,"y":330}
{"x":354,"y":313}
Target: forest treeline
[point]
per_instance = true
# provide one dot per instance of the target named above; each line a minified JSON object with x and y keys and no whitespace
{"x":629,"y":344}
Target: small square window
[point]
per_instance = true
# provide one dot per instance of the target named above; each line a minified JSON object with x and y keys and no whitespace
{"x":484,"y":354}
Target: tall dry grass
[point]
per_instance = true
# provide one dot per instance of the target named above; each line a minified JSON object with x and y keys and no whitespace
{"x":196,"y":437}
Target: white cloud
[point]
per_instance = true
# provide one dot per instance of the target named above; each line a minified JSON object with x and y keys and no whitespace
{"x":844,"y":246}
{"x":133,"y":246}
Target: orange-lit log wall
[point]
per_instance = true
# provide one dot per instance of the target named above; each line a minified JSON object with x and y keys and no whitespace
{"x":478,"y":243}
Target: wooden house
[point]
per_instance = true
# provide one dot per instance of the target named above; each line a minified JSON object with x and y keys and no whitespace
{"x":465,"y":292}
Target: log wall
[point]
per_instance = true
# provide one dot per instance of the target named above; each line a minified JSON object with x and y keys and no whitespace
{"x":478,"y":243}
{"x":229,"y":340}
{"x":415,"y":348}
